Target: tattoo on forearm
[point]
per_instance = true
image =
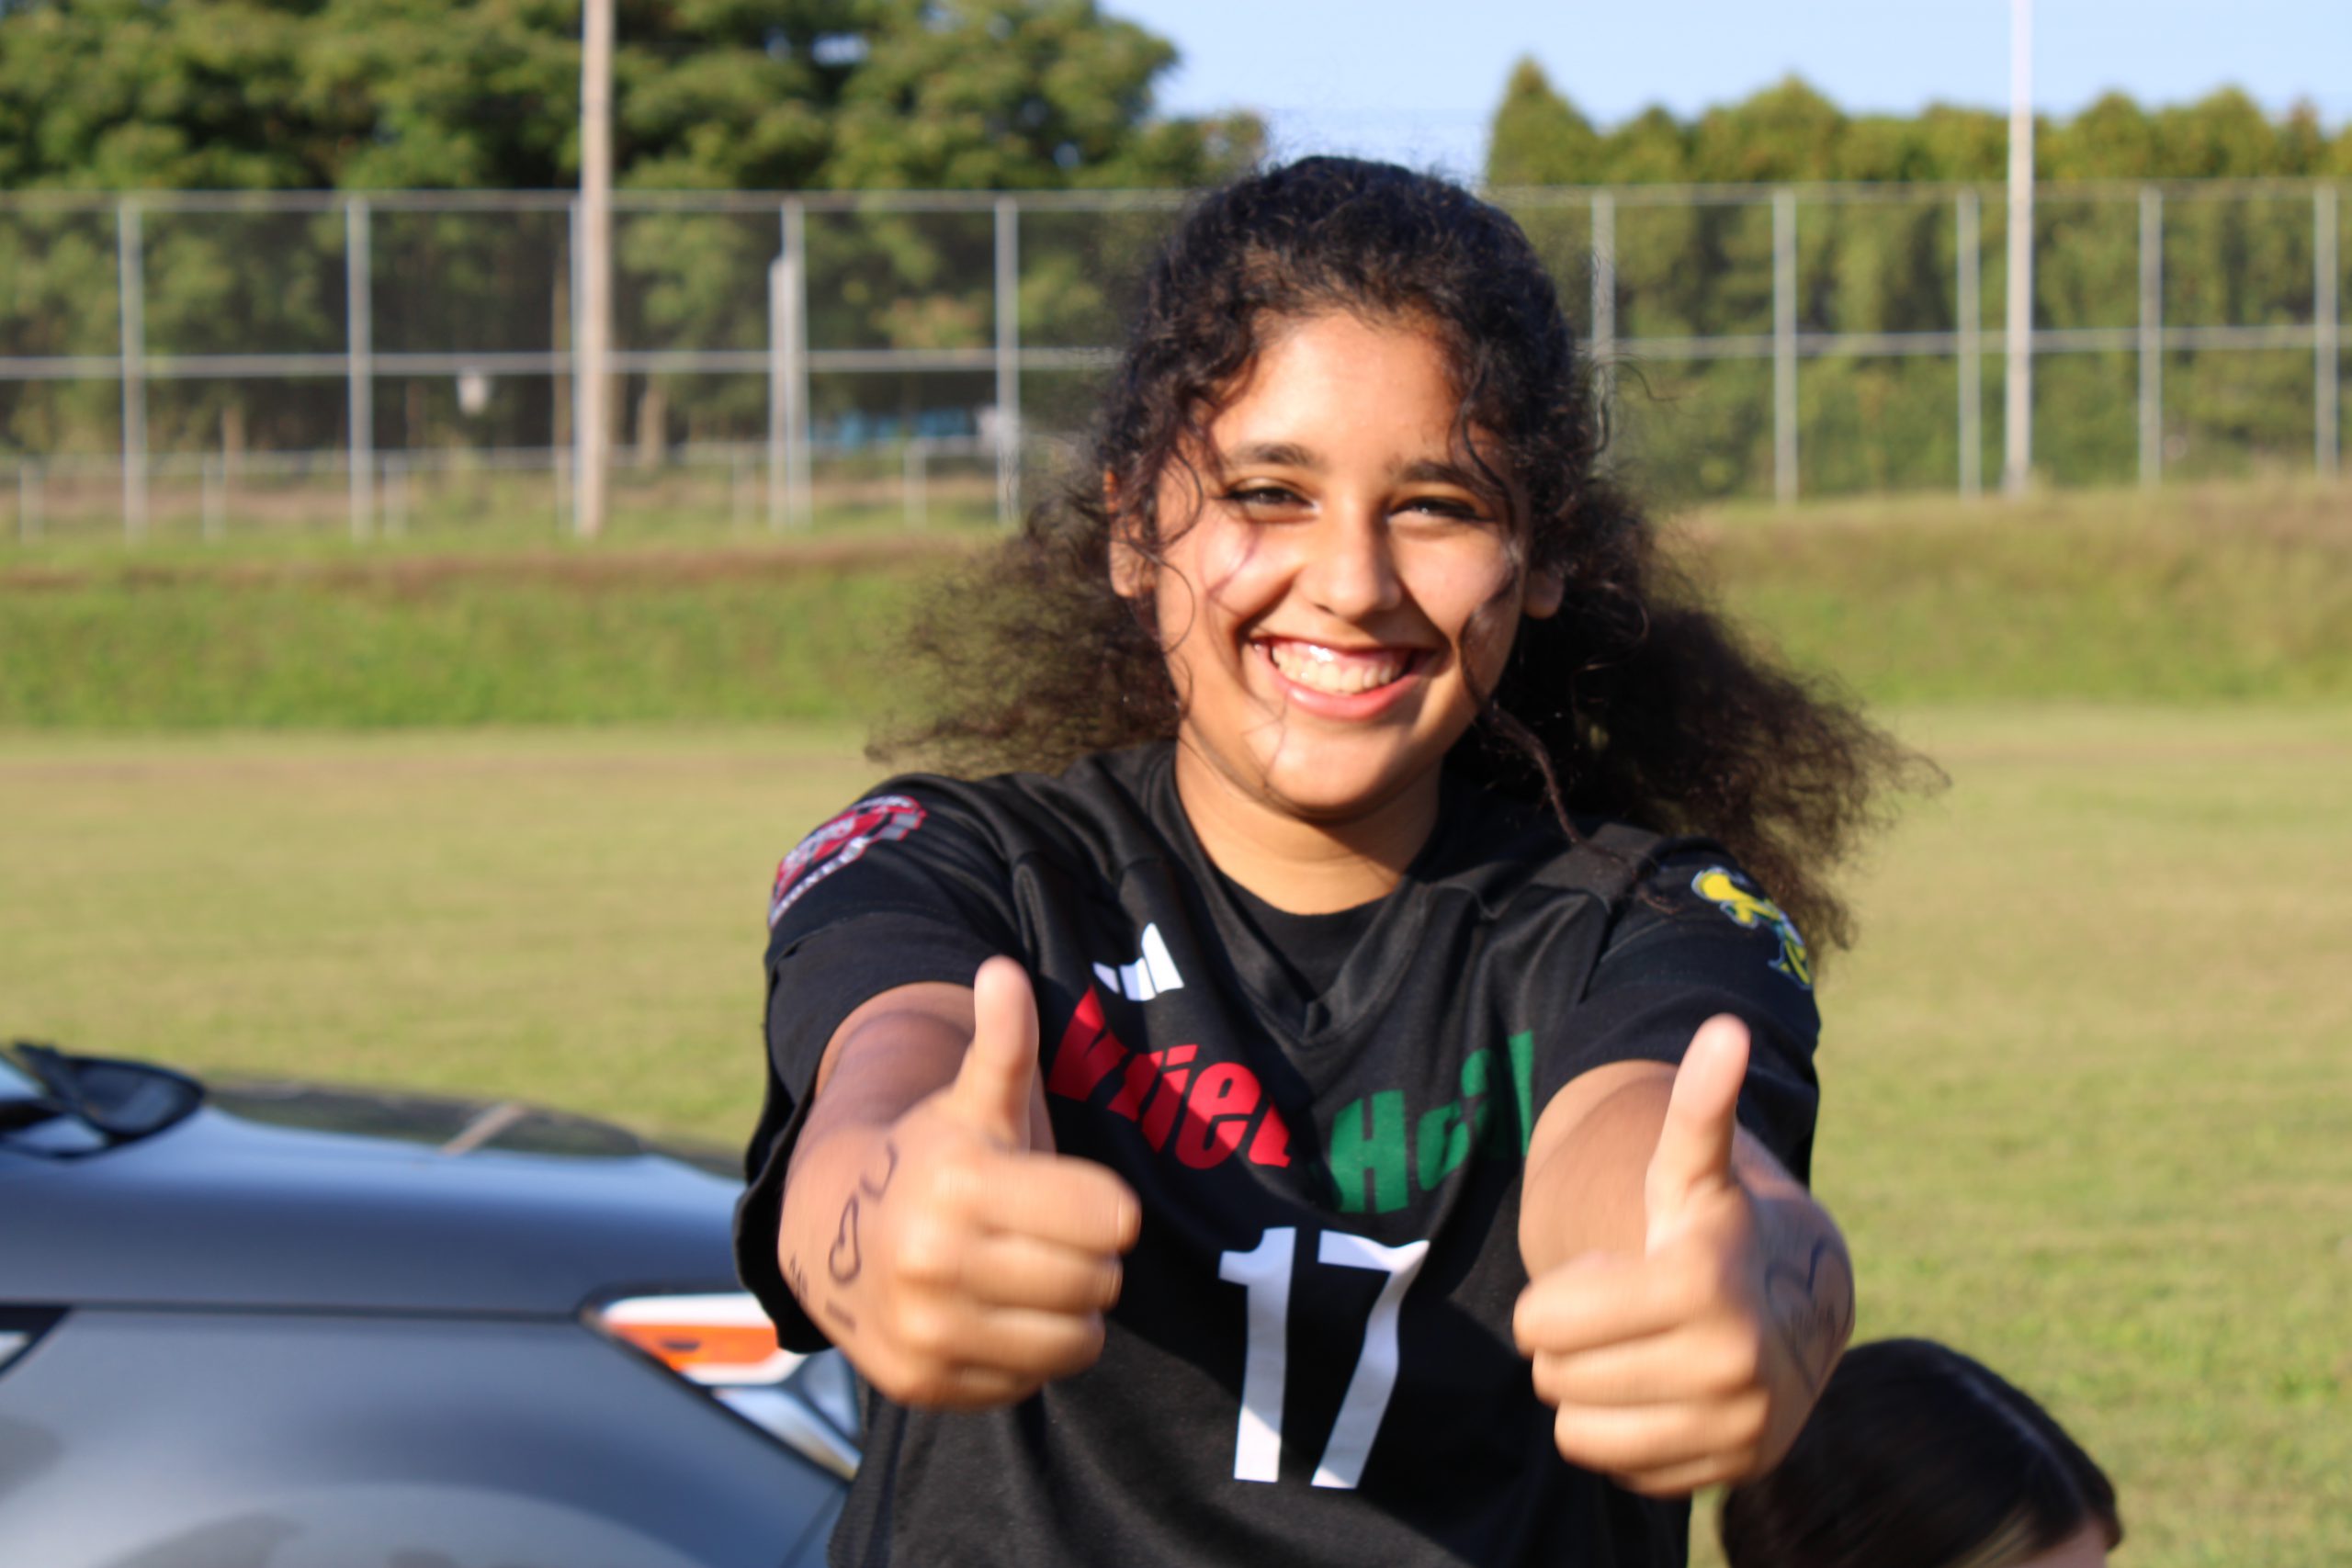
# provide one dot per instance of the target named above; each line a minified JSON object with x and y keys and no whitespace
{"x":876,"y":1189}
{"x":1812,"y":1308}
{"x":844,"y":1259}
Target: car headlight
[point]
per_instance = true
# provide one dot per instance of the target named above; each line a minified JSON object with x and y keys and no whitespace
{"x":724,"y":1344}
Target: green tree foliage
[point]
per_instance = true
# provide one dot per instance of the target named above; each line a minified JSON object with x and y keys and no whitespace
{"x":1788,"y":132}
{"x":1539,"y":138}
{"x":404,"y":94}
{"x":717,"y":95}
{"x":2228,"y":256}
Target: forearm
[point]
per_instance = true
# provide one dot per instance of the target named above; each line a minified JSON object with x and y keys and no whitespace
{"x":1808,"y":1275}
{"x":885,"y":1059}
{"x":928,"y":1227}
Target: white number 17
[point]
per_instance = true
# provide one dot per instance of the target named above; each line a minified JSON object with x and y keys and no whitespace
{"x":1265,"y":1271}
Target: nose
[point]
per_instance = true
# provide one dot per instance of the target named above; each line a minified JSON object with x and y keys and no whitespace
{"x":1351,"y":571}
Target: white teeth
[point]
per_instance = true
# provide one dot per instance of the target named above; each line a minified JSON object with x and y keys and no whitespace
{"x":1328,"y":669}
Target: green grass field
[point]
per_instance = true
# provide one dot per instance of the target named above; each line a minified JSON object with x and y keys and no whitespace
{"x":501,"y":821}
{"x":2087,"y":1090}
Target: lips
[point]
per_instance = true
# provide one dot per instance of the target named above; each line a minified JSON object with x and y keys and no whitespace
{"x":1338,"y":671}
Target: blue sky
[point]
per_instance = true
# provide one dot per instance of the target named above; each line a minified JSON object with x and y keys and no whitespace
{"x":1381,"y":77}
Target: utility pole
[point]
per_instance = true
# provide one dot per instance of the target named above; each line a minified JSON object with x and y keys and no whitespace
{"x":2016,"y":447}
{"x":591,"y":421}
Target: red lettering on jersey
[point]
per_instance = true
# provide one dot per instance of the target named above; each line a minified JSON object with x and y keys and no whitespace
{"x":1272,"y":1146}
{"x":1215,"y":1112}
{"x":1159,"y":1116}
{"x":1143,"y":1075}
{"x":1089,"y":1052}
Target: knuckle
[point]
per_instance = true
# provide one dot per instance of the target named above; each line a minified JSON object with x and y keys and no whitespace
{"x":928,"y":1252}
{"x":1737,"y":1362}
{"x":1084,"y":1349}
{"x":1749,"y":1417}
{"x":956,"y":1181}
{"x":926,"y":1331}
{"x":1566,"y":1436}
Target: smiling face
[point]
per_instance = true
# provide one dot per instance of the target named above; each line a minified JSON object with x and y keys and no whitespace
{"x":1345,"y":592}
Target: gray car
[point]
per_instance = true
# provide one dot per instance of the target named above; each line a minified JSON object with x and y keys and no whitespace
{"x":308,"y":1328}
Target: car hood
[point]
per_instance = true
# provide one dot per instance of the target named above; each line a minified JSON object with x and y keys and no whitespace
{"x":294,"y":1197}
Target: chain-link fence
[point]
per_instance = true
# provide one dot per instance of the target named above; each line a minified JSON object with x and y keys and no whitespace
{"x":199,"y":364}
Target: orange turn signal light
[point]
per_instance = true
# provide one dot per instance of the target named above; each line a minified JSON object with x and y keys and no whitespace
{"x":716,"y":1340}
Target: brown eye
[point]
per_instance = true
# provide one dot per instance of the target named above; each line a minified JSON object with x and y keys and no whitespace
{"x":1452,"y":508}
{"x":1262,"y":497}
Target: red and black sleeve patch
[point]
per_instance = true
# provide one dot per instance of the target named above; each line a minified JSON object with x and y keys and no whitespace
{"x":838,"y":843}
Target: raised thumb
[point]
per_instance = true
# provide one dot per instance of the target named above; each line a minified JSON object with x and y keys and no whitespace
{"x":1693,"y":1154}
{"x":993,"y":1088}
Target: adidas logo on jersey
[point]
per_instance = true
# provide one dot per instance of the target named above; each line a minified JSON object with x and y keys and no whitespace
{"x":1148,"y":976}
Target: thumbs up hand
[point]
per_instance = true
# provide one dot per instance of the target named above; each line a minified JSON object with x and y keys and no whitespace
{"x":1696,"y":1362}
{"x":968,"y":1267}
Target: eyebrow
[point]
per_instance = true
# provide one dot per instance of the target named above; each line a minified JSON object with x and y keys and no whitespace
{"x":1274,"y":454}
{"x":1291,"y":455}
{"x":1431,"y":472}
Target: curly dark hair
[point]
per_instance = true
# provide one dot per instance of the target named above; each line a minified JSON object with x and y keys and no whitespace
{"x":1636,"y":702}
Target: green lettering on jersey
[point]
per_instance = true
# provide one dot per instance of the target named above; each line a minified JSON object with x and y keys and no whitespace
{"x":1367,"y":1158}
{"x":1448,"y":1133}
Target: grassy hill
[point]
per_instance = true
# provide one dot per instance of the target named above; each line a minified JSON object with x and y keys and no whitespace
{"x":2197,"y":596}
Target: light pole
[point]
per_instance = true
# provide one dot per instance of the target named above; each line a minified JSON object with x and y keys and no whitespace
{"x":592,"y":423}
{"x":2016,"y":446}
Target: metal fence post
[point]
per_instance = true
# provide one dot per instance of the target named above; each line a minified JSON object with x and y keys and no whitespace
{"x":131,"y":285}
{"x":2152,"y":336}
{"x":566,"y":463}
{"x":1008,"y":360}
{"x":788,"y":375}
{"x":1969,"y":259}
{"x":2327,"y":330}
{"x":1604,"y":296}
{"x":359,"y":339}
{"x":1784,"y":344}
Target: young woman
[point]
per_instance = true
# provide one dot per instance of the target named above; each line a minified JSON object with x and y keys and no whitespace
{"x":1918,"y":1455}
{"x":1336,"y":1107}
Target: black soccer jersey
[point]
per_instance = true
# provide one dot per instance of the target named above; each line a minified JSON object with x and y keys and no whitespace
{"x":1311,"y":1358}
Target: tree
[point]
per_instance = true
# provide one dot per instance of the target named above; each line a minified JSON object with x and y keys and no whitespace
{"x":1785,"y":132}
{"x":1539,"y":138}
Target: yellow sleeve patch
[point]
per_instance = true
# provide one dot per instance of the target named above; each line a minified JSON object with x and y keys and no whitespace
{"x":1745,"y":907}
